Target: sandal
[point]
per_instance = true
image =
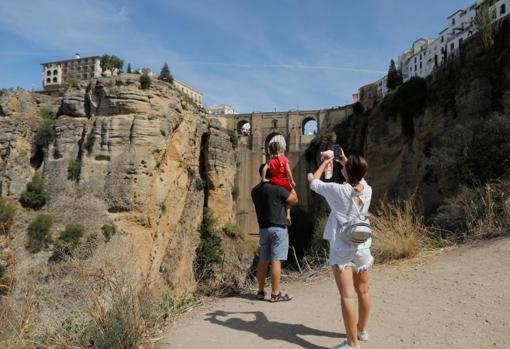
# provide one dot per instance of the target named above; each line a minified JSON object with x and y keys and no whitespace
{"x":280,"y":297}
{"x":261,"y":295}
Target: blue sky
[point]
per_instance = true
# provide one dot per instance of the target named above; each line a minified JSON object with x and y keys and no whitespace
{"x":257,"y":55}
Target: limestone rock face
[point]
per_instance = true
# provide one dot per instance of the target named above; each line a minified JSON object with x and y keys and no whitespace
{"x":221,"y":164}
{"x":141,"y":153}
{"x":21,"y":102}
{"x":73,"y":103}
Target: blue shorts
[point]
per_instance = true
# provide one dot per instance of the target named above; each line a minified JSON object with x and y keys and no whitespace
{"x":274,"y":244}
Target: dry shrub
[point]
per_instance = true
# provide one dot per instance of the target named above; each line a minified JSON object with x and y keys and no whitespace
{"x":487,"y":209}
{"x":106,"y":309}
{"x":317,"y":253}
{"x":398,"y":231}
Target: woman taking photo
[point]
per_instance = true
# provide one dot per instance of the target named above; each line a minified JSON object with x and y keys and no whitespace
{"x":350,"y":263}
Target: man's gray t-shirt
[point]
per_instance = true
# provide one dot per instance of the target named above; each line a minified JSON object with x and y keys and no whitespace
{"x":269,"y":200}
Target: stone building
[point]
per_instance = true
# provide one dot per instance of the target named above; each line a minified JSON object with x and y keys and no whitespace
{"x":368,"y":96}
{"x":220,"y":109}
{"x":190,"y":91}
{"x":59,"y":72}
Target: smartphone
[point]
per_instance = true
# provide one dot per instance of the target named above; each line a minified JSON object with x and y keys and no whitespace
{"x":337,"y":151}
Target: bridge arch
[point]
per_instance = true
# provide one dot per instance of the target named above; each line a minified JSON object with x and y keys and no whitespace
{"x":275,"y":137}
{"x":309,"y":126}
{"x":243,"y":127}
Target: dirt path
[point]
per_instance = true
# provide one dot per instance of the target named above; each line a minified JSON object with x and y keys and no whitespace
{"x":457,"y":299}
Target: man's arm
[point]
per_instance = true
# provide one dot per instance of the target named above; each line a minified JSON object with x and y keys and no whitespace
{"x":292,"y":199}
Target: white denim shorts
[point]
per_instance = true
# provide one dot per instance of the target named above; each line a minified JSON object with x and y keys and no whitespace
{"x":358,"y":260}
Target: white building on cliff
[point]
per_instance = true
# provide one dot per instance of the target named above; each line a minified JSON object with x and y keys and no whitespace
{"x":57,"y":73}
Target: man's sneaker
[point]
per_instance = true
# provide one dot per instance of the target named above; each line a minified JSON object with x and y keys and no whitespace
{"x":343,"y":345}
{"x":362,"y":336}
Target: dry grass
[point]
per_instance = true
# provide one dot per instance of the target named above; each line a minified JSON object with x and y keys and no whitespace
{"x":398,"y":231}
{"x":487,"y":209}
{"x":106,"y":309}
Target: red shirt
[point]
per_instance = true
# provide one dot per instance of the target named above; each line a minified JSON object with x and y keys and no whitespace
{"x":277,"y":166}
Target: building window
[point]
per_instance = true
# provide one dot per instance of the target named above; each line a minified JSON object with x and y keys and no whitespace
{"x":461,"y":40}
{"x":55,"y":72}
{"x":85,"y":76}
{"x":54,"y":79}
{"x":48,"y":80}
{"x":442,"y":38}
{"x":48,"y":73}
{"x":452,"y":46}
{"x":421,"y":65}
{"x":502,"y":10}
{"x":453,"y":21}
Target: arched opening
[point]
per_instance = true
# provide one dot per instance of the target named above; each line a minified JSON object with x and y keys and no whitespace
{"x":243,"y":128}
{"x":55,"y":72}
{"x":48,"y":72}
{"x":48,"y":80}
{"x":309,"y":126}
{"x":275,"y":137}
{"x":54,"y":79}
{"x":502,"y":10}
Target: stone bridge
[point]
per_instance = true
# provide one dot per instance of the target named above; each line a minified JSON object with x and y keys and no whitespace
{"x":256,"y":130}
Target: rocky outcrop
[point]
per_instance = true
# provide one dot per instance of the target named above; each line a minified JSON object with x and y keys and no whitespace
{"x":141,"y":154}
{"x":429,"y":138}
{"x":21,"y":102}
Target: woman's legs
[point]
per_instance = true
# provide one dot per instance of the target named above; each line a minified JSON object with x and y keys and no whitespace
{"x":345,"y":284}
{"x":364,"y":299}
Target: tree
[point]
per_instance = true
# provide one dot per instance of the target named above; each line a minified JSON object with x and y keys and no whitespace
{"x":129,"y":68}
{"x":165,"y":74}
{"x":394,"y":77}
{"x":486,"y":28}
{"x":145,"y":81}
{"x":111,"y":63}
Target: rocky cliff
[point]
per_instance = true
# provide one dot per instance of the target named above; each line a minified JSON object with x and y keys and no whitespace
{"x":148,"y":162}
{"x":431,"y":137}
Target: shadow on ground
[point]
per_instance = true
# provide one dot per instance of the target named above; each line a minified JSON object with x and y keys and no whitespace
{"x":266,"y":329}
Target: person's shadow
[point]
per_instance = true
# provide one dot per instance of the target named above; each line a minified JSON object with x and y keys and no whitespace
{"x":267,"y":329}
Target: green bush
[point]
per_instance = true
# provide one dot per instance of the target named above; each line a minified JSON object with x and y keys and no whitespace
{"x":235,"y":193}
{"x":233,"y":231}
{"x":233,"y":138}
{"x":191,"y":172}
{"x":162,"y":208}
{"x":74,"y":170}
{"x":35,"y":195}
{"x":407,"y":102}
{"x":72,"y":234}
{"x":89,"y":142}
{"x":145,"y":81}
{"x":47,"y":114}
{"x":45,"y":133}
{"x":199,"y":184}
{"x":67,"y":243}
{"x":108,"y":231}
{"x":209,"y":252}
{"x":7,"y":212}
{"x":488,"y":156}
{"x":39,"y":232}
